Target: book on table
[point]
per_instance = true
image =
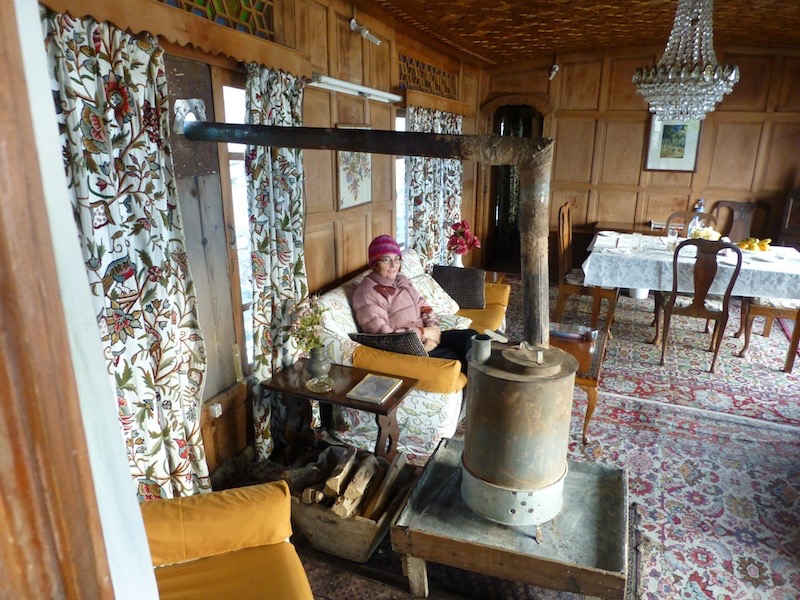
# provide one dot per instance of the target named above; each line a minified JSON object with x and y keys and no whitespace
{"x":374,"y":388}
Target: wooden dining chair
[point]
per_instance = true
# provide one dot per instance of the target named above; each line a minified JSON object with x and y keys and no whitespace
{"x":700,"y":305}
{"x":769,"y":308}
{"x":735,"y":219}
{"x":684,"y":218}
{"x":570,"y":280}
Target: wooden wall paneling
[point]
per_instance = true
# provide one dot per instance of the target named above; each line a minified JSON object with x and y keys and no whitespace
{"x":790,"y":85}
{"x":382,"y":164}
{"x":312,"y":19}
{"x":319,"y":166}
{"x":206,"y":239}
{"x":351,"y":110}
{"x":622,"y":153}
{"x":284,"y":18}
{"x":349,"y":51}
{"x":579,"y":201}
{"x":597,"y":162}
{"x":751,"y":91}
{"x":658,"y":206}
{"x":574,"y":149}
{"x":782,"y":172}
{"x":225,"y":436}
{"x":530,"y":82}
{"x":671,"y":179}
{"x":382,"y":224}
{"x":622,"y":94}
{"x":379,"y":65}
{"x":580,"y":85}
{"x":352,"y":245}
{"x":319,"y":242}
{"x":469,"y":89}
{"x":616,"y":206}
{"x":734,"y":155}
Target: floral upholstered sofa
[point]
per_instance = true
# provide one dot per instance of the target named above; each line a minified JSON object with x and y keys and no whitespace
{"x":431,"y":410}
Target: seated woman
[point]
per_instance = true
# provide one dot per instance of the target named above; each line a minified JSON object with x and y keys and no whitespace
{"x":387,"y":302}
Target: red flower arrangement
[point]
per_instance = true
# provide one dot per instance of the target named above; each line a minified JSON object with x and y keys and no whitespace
{"x":462,"y":239}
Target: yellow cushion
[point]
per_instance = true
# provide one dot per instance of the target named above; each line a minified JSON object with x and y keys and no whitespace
{"x":497,"y":293}
{"x":490,"y":317}
{"x":184,"y":529}
{"x":434,"y":374}
{"x":272,"y":572}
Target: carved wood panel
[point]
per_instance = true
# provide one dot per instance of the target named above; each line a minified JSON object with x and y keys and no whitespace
{"x":734,"y":156}
{"x":782,"y":172}
{"x":622,"y":155}
{"x":312,"y":21}
{"x":574,"y":149}
{"x":580,"y":85}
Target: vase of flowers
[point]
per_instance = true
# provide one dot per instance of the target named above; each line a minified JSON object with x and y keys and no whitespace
{"x":306,"y":329}
{"x":461,"y":241}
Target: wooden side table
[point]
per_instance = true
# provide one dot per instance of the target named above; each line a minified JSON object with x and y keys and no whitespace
{"x":291,"y":381}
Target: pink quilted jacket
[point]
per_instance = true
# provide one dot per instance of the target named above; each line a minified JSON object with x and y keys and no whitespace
{"x":385,"y":306}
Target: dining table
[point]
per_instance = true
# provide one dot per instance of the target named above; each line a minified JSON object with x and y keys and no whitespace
{"x":625,"y":260}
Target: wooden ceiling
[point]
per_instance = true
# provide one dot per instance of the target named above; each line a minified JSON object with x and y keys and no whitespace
{"x":494,"y":32}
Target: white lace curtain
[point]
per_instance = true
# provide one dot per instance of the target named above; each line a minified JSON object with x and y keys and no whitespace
{"x":433,"y":190}
{"x":111,"y":101}
{"x":276,"y":200}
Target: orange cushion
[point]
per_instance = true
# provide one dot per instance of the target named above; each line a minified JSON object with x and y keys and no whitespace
{"x":185,"y":529}
{"x":434,"y":374}
{"x":490,"y":317}
{"x":497,"y":293}
{"x":272,"y":572}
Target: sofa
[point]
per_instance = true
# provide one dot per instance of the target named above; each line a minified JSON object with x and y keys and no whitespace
{"x":431,"y":410}
{"x":229,"y":544}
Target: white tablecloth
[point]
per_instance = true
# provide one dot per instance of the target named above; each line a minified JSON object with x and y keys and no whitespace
{"x":615,"y":261}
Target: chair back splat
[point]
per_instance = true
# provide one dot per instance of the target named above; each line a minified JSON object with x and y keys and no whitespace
{"x":701,"y":304}
{"x":684,"y":218}
{"x":741,"y":215}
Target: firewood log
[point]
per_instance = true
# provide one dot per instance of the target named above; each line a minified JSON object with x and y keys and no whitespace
{"x":336,"y":480}
{"x":347,"y":503}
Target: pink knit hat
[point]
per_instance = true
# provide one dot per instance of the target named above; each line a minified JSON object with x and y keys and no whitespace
{"x":381,"y":246}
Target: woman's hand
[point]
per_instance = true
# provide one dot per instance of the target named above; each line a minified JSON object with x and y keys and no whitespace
{"x":429,"y":344}
{"x":432,"y":333}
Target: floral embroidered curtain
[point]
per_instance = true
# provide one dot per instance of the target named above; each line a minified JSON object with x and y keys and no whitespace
{"x":433,"y":197}
{"x":275,"y":197}
{"x":111,"y":101}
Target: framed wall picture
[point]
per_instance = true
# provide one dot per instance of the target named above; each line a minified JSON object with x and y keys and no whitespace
{"x":672,"y":145}
{"x":355,"y":175}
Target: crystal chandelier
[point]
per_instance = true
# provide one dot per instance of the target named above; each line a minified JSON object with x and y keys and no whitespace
{"x":687,"y":82}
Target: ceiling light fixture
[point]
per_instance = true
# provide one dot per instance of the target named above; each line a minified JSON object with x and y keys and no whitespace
{"x":345,"y":87}
{"x":687,"y":82}
{"x":363,"y":32}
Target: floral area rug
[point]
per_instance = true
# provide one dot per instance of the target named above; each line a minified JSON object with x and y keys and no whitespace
{"x":718,"y":497}
{"x":754,"y":386}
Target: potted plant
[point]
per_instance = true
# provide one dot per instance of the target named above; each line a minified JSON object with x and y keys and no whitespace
{"x":306,"y":329}
{"x":461,"y":241}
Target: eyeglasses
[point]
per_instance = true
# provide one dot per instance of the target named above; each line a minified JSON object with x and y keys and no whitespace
{"x":388,"y":260}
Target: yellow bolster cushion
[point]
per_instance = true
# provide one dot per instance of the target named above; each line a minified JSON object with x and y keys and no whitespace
{"x":490,"y":317}
{"x":497,"y":293}
{"x":434,"y":374}
{"x":184,"y":529}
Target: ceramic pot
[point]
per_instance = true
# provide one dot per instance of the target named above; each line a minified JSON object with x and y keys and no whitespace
{"x":457,"y":262}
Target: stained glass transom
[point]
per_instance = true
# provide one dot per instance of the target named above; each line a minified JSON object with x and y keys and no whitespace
{"x":249,"y":16}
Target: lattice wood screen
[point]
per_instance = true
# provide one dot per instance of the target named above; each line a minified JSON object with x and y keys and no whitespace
{"x":250,"y":16}
{"x":417,"y":75}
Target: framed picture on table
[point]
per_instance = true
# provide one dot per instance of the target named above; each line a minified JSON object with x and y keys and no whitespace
{"x":672,"y":145}
{"x":355,"y":174}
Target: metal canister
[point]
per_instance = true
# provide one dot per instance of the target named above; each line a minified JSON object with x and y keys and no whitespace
{"x":519,"y":404}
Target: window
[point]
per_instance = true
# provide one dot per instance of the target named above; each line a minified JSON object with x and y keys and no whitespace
{"x":401,"y":225}
{"x":234,"y":104}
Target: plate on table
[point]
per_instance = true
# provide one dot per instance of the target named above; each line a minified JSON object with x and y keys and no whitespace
{"x":607,"y":233}
{"x":762,"y":255}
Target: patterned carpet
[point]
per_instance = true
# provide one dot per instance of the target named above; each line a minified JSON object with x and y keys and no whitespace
{"x":713,"y":463}
{"x":754,"y":386}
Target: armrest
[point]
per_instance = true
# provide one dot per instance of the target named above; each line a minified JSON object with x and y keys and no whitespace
{"x":188,"y":528}
{"x":434,"y":374}
{"x":497,"y":293}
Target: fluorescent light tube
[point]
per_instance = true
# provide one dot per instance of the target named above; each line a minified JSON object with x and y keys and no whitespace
{"x":353,"y":89}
